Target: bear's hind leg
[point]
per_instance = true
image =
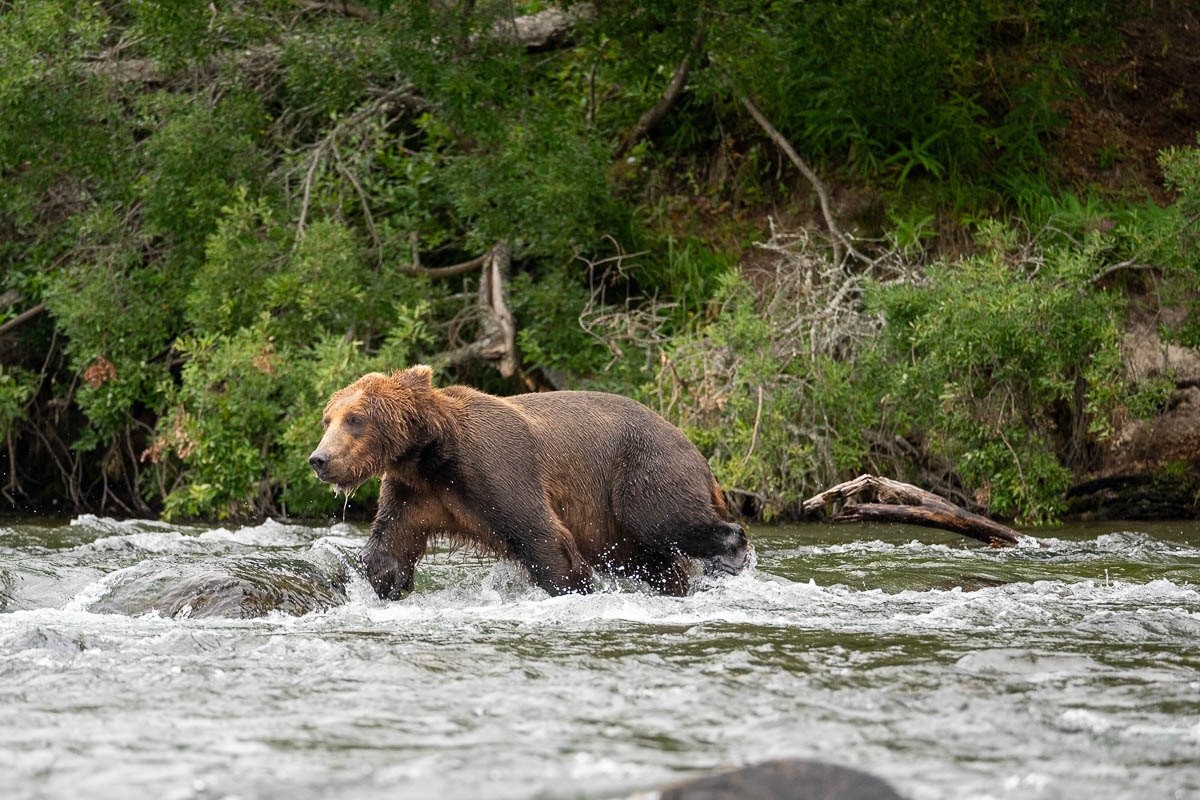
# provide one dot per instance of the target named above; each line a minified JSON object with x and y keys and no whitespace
{"x":548,"y":551}
{"x":664,"y":572}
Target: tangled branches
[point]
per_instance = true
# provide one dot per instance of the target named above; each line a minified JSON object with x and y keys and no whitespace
{"x":767,"y":378}
{"x":633,"y":322}
{"x":328,"y":151}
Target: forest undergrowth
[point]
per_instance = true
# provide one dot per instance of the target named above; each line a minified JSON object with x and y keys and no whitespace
{"x":824,"y":238}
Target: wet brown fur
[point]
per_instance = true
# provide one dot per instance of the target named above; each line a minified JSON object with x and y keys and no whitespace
{"x":562,"y":482}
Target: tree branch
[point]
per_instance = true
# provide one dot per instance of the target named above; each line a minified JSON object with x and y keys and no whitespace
{"x":21,"y":318}
{"x":402,"y":96}
{"x":1131,"y":264}
{"x":656,"y":112}
{"x":415,"y":267}
{"x":822,"y":193}
{"x":496,"y":344}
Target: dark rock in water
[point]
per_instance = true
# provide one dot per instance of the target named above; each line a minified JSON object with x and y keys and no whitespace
{"x":249,"y":594}
{"x":238,"y":588}
{"x":37,"y":638}
{"x":787,"y":779}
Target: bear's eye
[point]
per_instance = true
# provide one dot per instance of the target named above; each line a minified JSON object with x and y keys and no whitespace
{"x":325,"y":422}
{"x":354,"y":420}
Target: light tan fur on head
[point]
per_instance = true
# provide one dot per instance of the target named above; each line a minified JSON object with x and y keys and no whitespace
{"x":370,"y":423}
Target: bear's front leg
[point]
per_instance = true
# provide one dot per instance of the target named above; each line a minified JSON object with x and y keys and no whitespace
{"x":388,"y":568}
{"x":389,"y":558}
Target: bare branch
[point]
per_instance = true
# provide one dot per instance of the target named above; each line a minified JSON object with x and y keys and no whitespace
{"x":415,"y":267}
{"x":1131,"y":264}
{"x":656,"y":112}
{"x":496,"y":342}
{"x":754,"y":434}
{"x":385,"y":102}
{"x":923,"y":508}
{"x":362,"y":196}
{"x":822,"y":193}
{"x":638,"y":322}
{"x":21,"y":318}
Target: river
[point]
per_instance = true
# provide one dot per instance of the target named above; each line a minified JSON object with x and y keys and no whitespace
{"x":146,"y":659}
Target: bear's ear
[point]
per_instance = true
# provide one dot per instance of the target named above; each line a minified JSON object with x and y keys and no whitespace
{"x":418,"y":377}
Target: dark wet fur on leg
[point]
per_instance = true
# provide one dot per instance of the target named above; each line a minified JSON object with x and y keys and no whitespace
{"x":386,"y":574}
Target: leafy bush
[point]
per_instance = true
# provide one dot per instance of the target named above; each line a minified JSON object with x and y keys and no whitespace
{"x":1017,"y":359}
{"x":1005,"y":365}
{"x":16,"y":386}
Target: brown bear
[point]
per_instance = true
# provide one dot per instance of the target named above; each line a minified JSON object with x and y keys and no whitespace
{"x":562,"y":482}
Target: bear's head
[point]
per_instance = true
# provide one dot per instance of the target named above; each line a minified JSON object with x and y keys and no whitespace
{"x":371,"y":423}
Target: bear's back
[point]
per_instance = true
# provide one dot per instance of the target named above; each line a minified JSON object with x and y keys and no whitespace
{"x":615,"y":424}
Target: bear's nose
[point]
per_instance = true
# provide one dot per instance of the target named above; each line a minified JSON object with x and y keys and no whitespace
{"x":318,"y":460}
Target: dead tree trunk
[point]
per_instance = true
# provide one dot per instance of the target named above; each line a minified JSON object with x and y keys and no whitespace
{"x":496,"y":344}
{"x":923,"y":508}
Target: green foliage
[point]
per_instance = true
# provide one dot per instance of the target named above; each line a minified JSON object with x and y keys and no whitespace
{"x":223,"y":206}
{"x":16,"y":386}
{"x":548,"y":331}
{"x":1006,"y":365}
{"x":247,"y":413}
{"x":1017,"y":349}
{"x":536,"y":176}
{"x":227,"y":409}
{"x":693,"y":273}
{"x":894,"y":90}
{"x":1178,"y":242}
{"x":776,"y":421}
{"x":199,"y":156}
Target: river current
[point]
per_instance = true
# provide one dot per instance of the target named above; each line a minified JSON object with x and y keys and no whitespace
{"x":145,"y":659}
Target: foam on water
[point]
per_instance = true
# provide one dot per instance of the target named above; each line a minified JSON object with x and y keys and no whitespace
{"x":128,"y":536}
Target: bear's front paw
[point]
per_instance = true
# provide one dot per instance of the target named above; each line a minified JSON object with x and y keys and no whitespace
{"x":390,"y":579}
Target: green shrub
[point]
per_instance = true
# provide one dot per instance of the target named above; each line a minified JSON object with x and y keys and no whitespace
{"x":247,"y":413}
{"x":1022,"y":355}
{"x":16,"y":387}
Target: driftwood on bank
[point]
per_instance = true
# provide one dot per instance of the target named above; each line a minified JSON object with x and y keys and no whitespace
{"x":905,"y":503}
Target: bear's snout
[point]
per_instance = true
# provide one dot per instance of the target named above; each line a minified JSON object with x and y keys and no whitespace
{"x":318,"y":461}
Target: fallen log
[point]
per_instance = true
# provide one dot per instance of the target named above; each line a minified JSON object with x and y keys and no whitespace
{"x":496,"y":344}
{"x":550,"y":29}
{"x":905,"y":503}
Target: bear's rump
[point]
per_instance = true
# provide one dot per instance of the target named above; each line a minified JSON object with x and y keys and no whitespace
{"x":619,"y":477}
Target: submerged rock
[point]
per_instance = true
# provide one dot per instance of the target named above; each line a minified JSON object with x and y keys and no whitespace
{"x":788,"y":779}
{"x":239,"y":588}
